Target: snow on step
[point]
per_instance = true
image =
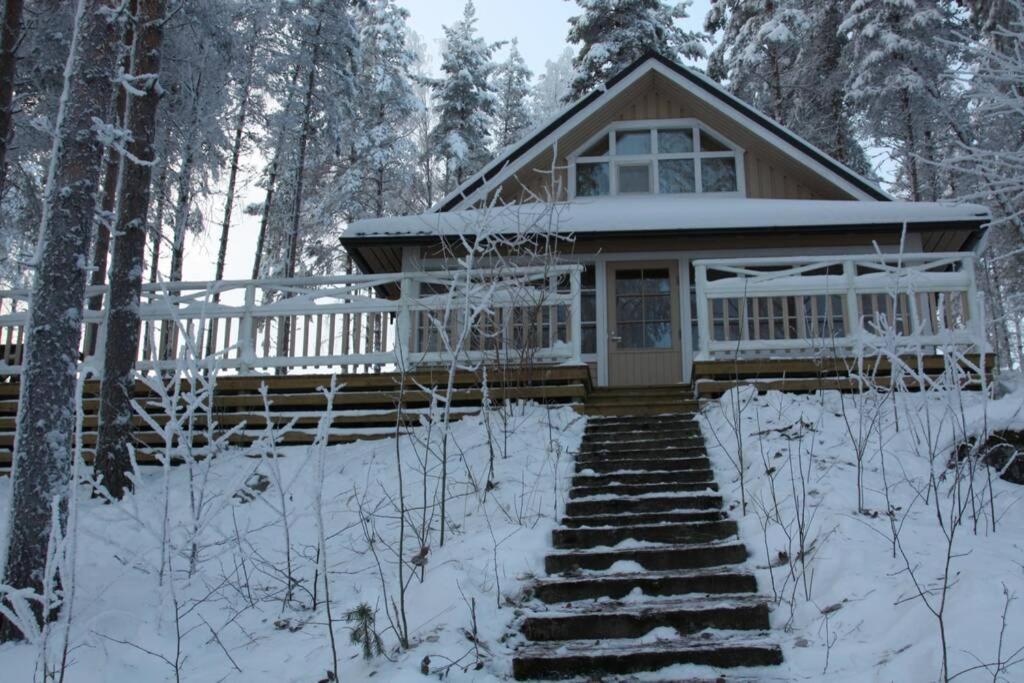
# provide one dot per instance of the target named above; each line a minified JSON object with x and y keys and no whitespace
{"x":650,"y":572}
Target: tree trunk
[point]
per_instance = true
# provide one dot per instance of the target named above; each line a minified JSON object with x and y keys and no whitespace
{"x":291,"y":260}
{"x":111,"y":177}
{"x":10,"y":37}
{"x":268,"y":199}
{"x":46,"y":414}
{"x":113,"y":461}
{"x":236,"y":152}
{"x":169,"y":331}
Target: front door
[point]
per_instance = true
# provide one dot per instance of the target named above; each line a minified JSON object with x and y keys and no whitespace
{"x":644,"y":344}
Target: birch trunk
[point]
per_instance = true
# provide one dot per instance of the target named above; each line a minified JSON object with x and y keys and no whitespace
{"x":113,"y":461}
{"x":46,"y":415}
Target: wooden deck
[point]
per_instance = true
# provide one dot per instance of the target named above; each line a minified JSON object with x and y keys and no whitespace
{"x":713,"y":378}
{"x":366,"y":407}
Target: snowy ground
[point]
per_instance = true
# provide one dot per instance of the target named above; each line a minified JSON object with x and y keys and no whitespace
{"x":234,"y":622}
{"x":846,"y":605}
{"x":852,"y":612}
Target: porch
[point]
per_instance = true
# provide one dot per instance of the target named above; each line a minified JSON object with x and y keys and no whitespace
{"x":677,"y":319}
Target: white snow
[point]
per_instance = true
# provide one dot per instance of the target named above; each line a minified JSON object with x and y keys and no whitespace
{"x":863,"y":620}
{"x":495,"y":546}
{"x":657,"y":213}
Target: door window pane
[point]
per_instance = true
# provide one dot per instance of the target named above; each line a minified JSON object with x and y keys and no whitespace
{"x":676,"y":176}
{"x":634,"y":178}
{"x":633,"y":142}
{"x":718,"y":175}
{"x":675,"y":141}
{"x":592,"y":180}
{"x":643,"y":308}
{"x":658,"y":335}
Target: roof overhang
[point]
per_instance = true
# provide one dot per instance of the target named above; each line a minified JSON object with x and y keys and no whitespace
{"x":376,"y":243}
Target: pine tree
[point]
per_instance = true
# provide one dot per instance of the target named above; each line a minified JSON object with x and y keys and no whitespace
{"x":46,"y":414}
{"x":612,"y":34}
{"x":377,"y":171}
{"x":465,"y":101}
{"x":552,"y":89}
{"x":10,"y":37}
{"x":758,"y":51}
{"x":786,"y":57}
{"x":512,"y":85}
{"x":903,"y":53}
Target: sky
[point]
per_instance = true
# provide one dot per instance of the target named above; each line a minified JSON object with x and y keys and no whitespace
{"x":540,"y":27}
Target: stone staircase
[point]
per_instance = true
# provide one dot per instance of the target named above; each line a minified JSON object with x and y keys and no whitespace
{"x":645,"y":573}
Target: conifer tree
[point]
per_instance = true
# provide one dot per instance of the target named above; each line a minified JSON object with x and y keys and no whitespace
{"x":612,"y":34}
{"x":512,"y":85}
{"x":465,"y":101}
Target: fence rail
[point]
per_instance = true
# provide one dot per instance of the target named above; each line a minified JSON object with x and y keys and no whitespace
{"x":350,"y":323}
{"x":767,"y":307}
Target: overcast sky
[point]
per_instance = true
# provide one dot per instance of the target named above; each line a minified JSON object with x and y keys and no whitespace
{"x":541,"y":27}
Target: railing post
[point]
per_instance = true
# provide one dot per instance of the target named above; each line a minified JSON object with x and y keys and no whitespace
{"x":403,"y":323}
{"x":247,"y":332}
{"x":576,"y":313}
{"x":975,"y":321}
{"x":852,"y":304}
{"x":703,"y":326}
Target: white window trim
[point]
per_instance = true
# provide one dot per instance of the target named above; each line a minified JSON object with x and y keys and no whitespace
{"x":652,"y":159}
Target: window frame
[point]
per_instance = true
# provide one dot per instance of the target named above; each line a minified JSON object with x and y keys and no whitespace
{"x":613,"y":160}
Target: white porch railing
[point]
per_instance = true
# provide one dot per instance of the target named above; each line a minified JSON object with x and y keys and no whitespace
{"x":341,"y":323}
{"x":785,"y":307}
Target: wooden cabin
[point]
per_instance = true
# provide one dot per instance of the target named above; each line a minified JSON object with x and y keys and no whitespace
{"x":697,"y":238}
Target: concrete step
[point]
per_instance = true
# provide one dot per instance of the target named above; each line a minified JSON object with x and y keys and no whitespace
{"x":576,"y":658}
{"x":643,"y":477}
{"x":629,"y":620}
{"x":642,"y":504}
{"x":641,"y":450}
{"x":642,"y":489}
{"x":618,"y":586}
{"x":641,"y":408}
{"x":644,"y":462}
{"x":655,"y":558}
{"x":683,"y":532}
{"x":641,"y":424}
{"x":633,"y":519}
{"x":590,"y":437}
{"x":641,"y":443}
{"x":664,"y":418}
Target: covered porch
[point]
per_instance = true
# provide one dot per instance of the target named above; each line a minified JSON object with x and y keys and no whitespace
{"x":637,"y":319}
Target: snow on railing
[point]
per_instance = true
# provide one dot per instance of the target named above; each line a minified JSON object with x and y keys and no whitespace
{"x":346,"y":323}
{"x":785,"y":307}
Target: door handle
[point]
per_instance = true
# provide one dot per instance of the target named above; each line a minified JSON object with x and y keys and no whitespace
{"x":615,"y":338}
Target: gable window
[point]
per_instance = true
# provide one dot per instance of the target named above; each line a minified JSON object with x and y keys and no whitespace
{"x":658,"y":157}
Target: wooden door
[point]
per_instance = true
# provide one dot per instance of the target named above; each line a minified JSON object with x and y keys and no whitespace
{"x":644,"y":343}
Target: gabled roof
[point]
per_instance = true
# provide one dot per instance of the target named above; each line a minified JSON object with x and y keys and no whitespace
{"x":513,"y":157}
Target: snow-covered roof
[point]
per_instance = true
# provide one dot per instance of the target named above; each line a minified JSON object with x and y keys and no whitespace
{"x":662,"y":213}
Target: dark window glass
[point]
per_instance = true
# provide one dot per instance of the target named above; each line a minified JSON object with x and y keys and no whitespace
{"x":633,"y":142}
{"x":598,"y":149}
{"x":676,"y":176}
{"x":634,"y":178}
{"x":709,"y":143}
{"x":675,"y":141}
{"x":718,"y":175}
{"x":592,"y":180}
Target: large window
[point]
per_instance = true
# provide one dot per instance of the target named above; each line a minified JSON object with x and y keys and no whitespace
{"x":671,"y":157}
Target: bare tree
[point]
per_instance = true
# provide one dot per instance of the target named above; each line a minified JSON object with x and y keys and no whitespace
{"x":42,"y":454}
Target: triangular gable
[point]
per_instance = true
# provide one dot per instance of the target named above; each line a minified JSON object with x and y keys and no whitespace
{"x":700,"y":94}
